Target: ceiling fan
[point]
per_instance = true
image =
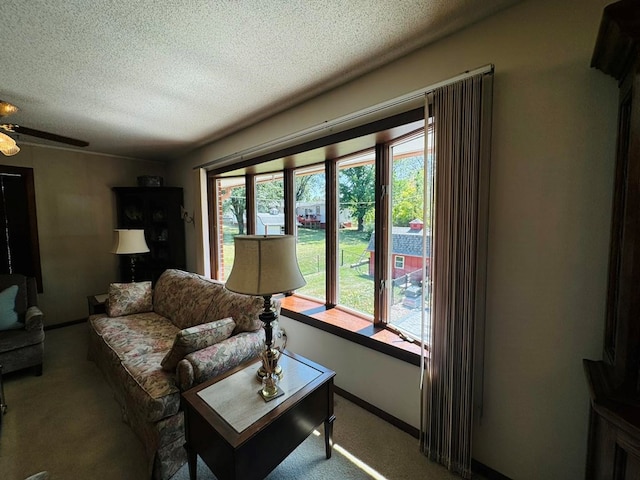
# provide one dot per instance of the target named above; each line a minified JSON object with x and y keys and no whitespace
{"x":8,"y":145}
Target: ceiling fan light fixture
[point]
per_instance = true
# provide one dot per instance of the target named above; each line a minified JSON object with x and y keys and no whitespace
{"x":10,"y":150}
{"x":6,"y":140}
{"x":7,"y":108}
{"x":8,"y":145}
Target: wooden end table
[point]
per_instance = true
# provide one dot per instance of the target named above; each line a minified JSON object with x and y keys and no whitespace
{"x":239,"y":435}
{"x":96,"y":303}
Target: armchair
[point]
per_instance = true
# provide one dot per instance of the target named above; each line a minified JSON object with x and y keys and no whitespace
{"x":24,"y":347}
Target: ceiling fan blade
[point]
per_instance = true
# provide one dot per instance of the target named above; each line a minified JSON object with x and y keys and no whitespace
{"x":19,"y":129}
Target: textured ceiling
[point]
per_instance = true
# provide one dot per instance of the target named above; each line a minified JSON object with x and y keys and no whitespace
{"x":150,"y":79}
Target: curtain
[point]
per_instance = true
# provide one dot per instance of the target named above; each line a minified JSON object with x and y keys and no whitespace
{"x":452,"y":382}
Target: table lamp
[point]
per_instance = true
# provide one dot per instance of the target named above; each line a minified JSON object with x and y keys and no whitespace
{"x":129,"y":242}
{"x":265,"y":265}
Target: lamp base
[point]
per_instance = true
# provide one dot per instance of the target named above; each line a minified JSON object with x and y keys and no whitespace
{"x":273,"y":355}
{"x":268,"y":397}
{"x":133,"y":268}
{"x":270,"y":355}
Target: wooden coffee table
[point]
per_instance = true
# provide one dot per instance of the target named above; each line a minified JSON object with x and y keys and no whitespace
{"x":239,"y":435}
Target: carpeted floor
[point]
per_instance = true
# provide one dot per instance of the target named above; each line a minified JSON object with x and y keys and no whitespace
{"x":67,"y":422}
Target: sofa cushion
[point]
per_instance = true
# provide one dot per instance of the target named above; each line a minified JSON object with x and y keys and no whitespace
{"x":8,"y":315}
{"x":140,"y":342}
{"x":135,"y":335}
{"x":244,"y":309}
{"x":149,"y":387}
{"x":129,"y":298}
{"x":194,"y":338}
{"x":183,"y":298}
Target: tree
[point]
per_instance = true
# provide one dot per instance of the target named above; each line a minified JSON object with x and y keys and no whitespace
{"x":269,"y":196}
{"x":407,"y":198}
{"x":236,"y":204}
{"x":310,"y":188}
{"x":357,"y":191}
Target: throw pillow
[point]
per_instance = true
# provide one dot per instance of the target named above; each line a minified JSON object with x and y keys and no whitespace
{"x":129,"y":298}
{"x":8,"y":315}
{"x":195,"y":338}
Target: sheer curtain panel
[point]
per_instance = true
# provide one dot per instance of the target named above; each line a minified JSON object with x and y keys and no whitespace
{"x":452,"y":383}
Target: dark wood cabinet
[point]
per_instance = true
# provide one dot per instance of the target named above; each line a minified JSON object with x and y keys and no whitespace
{"x":157,"y":210}
{"x":614,"y":381}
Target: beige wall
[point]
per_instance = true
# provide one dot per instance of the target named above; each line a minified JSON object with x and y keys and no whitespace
{"x":76,"y":217}
{"x":551,"y":186}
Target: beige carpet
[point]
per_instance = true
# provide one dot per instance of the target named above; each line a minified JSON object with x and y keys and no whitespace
{"x":68,"y":423}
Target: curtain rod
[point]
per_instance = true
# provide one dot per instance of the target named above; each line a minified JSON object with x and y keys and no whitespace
{"x":360,"y":117}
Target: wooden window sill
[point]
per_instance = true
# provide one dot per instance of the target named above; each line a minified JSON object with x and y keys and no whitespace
{"x":350,"y":327}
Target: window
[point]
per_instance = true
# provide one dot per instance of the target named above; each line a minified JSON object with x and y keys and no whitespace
{"x":356,"y":219}
{"x":269,"y":204}
{"x":379,"y":189}
{"x":409,"y":235}
{"x":311,"y":229}
{"x":19,"y":248}
{"x":329,"y":198}
{"x":230,"y":218}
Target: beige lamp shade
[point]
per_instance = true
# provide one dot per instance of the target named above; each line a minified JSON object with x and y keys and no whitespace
{"x":129,"y":242}
{"x":265,"y":265}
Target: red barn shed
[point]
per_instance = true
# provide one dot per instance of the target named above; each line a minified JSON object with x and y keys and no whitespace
{"x":406,"y":250}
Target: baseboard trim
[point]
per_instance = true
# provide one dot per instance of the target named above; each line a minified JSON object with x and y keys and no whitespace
{"x":487,"y":472}
{"x":396,"y":422}
{"x":65,"y":324}
{"x":476,"y":467}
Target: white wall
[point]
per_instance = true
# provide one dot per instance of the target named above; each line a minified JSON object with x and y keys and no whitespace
{"x":76,"y":217}
{"x":384,"y":381}
{"x":551,"y":186}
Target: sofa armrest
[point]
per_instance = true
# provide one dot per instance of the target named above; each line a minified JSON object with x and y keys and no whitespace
{"x":185,"y":375}
{"x":33,"y":319}
{"x":214,"y":360}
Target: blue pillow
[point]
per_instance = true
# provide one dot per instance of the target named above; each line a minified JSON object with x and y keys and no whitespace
{"x":8,"y":315}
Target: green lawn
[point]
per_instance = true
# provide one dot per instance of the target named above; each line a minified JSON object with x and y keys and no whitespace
{"x":356,"y":287}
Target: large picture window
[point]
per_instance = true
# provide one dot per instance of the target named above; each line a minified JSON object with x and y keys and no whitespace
{"x":334,"y":216}
{"x":359,"y":201}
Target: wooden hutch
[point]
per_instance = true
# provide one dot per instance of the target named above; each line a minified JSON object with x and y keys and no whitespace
{"x":157,"y":210}
{"x":614,"y":381}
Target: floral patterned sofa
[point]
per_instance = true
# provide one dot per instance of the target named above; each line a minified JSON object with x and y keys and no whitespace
{"x":151,"y":345}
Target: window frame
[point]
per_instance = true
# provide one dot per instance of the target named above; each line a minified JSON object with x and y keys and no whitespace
{"x":386,"y":133}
